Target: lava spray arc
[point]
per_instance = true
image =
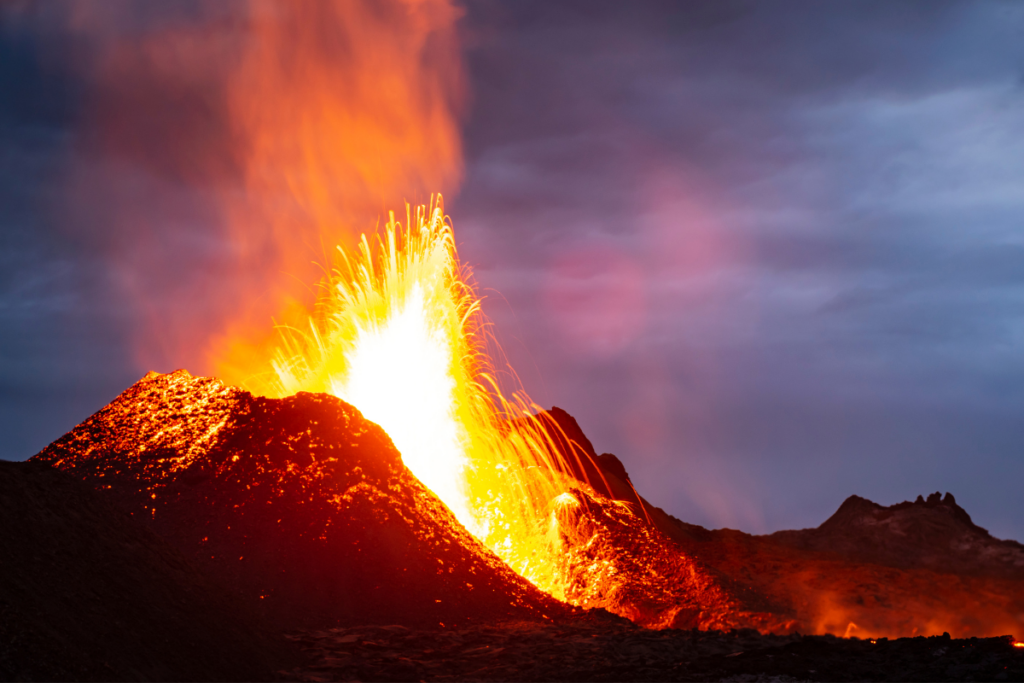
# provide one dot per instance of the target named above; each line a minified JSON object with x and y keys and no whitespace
{"x":398,"y":332}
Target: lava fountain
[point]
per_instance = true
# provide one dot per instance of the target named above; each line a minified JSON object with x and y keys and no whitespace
{"x":398,"y":332}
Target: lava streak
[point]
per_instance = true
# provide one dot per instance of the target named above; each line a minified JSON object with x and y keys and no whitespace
{"x":398,"y":332}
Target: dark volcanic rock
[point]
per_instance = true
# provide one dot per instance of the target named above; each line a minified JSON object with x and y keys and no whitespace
{"x":935,"y":534}
{"x":859,"y":592}
{"x":87,"y":593}
{"x":605,"y":650}
{"x":618,"y":561}
{"x":909,"y":569}
{"x":605,"y":473}
{"x":301,"y":503}
{"x":306,"y":509}
{"x":616,"y":556}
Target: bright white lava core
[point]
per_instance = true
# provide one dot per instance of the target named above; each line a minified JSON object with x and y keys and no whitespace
{"x":399,"y":377}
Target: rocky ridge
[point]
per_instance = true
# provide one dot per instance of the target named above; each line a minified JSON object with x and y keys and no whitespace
{"x":869,"y":570}
{"x":933,"y":533}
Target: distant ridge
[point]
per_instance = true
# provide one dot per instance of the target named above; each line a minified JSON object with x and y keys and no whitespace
{"x":933,"y":533}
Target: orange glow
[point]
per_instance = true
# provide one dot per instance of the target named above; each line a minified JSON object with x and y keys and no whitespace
{"x":291,"y":126}
{"x":301,"y":124}
{"x":1018,"y":643}
{"x":399,"y":334}
{"x":344,"y":109}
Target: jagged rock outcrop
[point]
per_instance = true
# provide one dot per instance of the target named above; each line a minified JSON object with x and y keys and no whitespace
{"x":933,"y":533}
{"x":605,"y":472}
{"x":616,"y":554}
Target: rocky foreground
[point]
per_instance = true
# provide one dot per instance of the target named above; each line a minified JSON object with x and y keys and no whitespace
{"x":603,"y":651}
{"x":90,"y":594}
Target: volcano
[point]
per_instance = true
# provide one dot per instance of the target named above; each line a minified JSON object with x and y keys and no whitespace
{"x":208,"y":521}
{"x":307,"y":510}
{"x":300,"y":502}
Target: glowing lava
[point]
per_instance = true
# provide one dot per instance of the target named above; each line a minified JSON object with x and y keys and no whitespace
{"x":411,"y":353}
{"x":389,"y":339}
{"x":398,"y":333}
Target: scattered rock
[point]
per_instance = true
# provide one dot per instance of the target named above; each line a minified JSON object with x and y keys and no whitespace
{"x":600,"y":650}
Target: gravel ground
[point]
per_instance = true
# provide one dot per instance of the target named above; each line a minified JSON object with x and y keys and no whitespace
{"x":609,"y":650}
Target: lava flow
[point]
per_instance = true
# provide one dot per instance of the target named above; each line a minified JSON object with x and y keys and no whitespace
{"x":399,"y":333}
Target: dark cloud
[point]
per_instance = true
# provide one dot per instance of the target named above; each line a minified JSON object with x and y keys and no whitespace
{"x":824,"y":201}
{"x":805,"y":218}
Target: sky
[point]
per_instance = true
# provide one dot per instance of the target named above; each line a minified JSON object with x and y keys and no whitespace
{"x":770,"y":254}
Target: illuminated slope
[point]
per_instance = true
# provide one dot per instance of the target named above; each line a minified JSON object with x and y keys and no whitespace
{"x":301,"y":502}
{"x":307,"y":506}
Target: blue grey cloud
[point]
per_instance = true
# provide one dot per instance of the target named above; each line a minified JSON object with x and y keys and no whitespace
{"x":769,"y":253}
{"x":824,"y":201}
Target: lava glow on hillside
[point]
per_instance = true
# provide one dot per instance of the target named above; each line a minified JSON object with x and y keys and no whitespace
{"x":399,"y":333}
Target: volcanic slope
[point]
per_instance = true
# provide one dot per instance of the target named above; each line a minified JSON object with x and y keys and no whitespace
{"x":616,"y":556}
{"x":300,"y":502}
{"x":909,"y":569}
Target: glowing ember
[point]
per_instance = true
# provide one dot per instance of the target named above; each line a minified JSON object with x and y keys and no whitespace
{"x":1019,"y":643}
{"x":400,"y":335}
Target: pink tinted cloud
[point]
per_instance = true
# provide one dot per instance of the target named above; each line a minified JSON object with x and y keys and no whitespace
{"x":594,"y":300}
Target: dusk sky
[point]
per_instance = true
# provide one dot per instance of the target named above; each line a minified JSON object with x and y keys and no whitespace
{"x":770,"y":254}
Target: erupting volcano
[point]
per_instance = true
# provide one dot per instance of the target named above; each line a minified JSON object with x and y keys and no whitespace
{"x":384,"y":417}
{"x":399,"y":333}
{"x":447,"y":504}
{"x":363,"y":472}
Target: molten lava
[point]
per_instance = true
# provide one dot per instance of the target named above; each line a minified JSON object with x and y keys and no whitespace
{"x":399,"y":333}
{"x":390,"y":341}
